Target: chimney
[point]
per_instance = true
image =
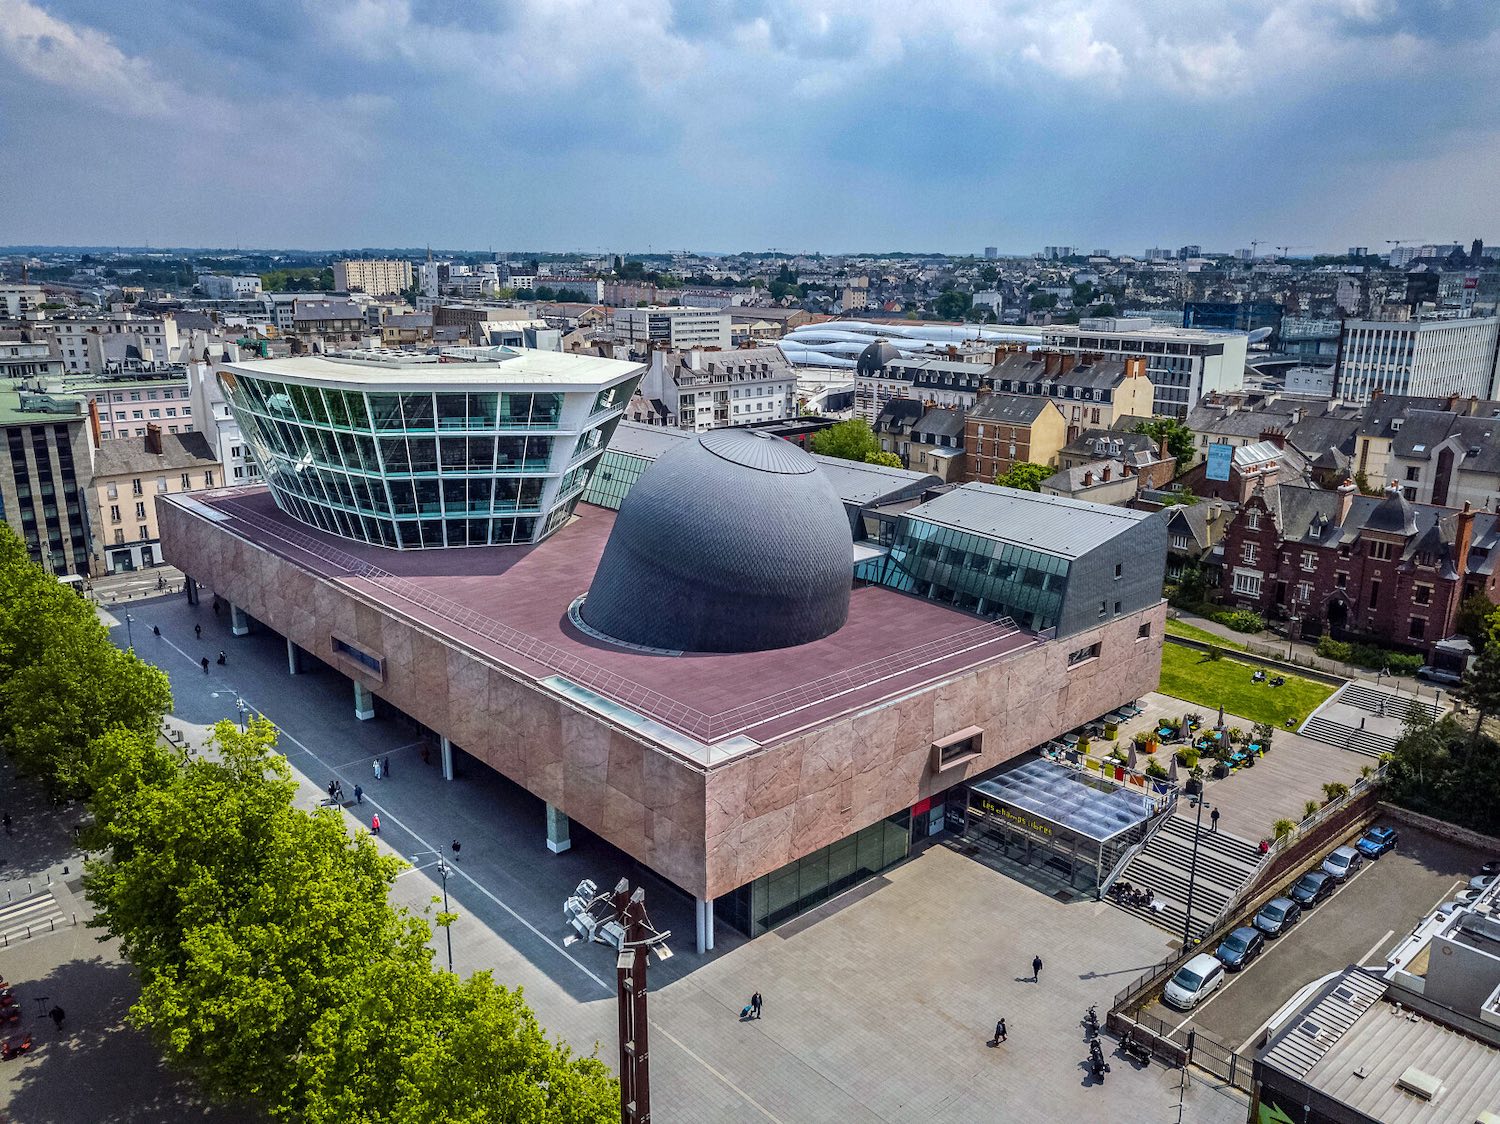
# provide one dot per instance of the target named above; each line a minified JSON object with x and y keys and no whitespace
{"x":1473,"y":410}
{"x":1452,"y":403}
{"x":1088,"y":478}
{"x":1274,"y":436}
{"x":1135,"y":366}
{"x":1346,"y":492}
{"x":1163,"y":452}
{"x":1296,"y":414}
{"x":1065,"y":364}
{"x":153,"y":439}
{"x":94,"y":423}
{"x":1104,"y":474}
{"x":1463,"y":538}
{"x":1050,"y":363}
{"x":952,"y":351}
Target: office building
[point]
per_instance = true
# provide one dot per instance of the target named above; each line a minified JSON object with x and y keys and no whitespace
{"x":473,"y":447}
{"x":219,"y":287}
{"x":698,"y":679}
{"x":1183,"y":364}
{"x":1419,"y":357}
{"x":130,"y":474}
{"x":44,"y":471}
{"x":379,"y":278}
{"x":699,"y":390}
{"x":675,"y":328}
{"x":991,"y":253}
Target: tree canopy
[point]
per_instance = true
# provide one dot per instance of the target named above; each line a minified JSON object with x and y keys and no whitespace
{"x":1024,"y":475}
{"x":851,"y":440}
{"x":890,"y":460}
{"x":1480,"y":689}
{"x":1181,"y":442}
{"x":952,"y":305}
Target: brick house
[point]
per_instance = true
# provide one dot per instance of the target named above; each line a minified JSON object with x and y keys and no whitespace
{"x":1358,"y":566}
{"x":1004,"y":430}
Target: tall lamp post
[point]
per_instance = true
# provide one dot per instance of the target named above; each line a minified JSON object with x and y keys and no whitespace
{"x":242,"y":707}
{"x":129,"y":632}
{"x":442,"y":868}
{"x":1187,"y":920}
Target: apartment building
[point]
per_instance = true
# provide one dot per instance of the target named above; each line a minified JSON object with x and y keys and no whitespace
{"x":44,"y":470}
{"x":1418,"y":357}
{"x":675,"y":328}
{"x":700,"y":390}
{"x":125,"y":405}
{"x":1004,"y":430}
{"x":378,"y":277}
{"x":1091,"y":391}
{"x":20,"y":359}
{"x":129,"y":474}
{"x":94,"y":344}
{"x":1183,"y":364}
{"x":325,"y":323}
{"x":217,"y":286}
{"x":20,"y":302}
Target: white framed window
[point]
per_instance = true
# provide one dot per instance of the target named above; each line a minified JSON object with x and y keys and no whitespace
{"x":1252,"y":520}
{"x":1309,"y":560}
{"x":1248,"y":552}
{"x":1247,"y":583}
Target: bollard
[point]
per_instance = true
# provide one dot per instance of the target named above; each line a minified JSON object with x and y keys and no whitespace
{"x":51,"y":924}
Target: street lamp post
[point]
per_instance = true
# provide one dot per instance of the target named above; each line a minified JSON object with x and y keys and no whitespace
{"x":1187,"y":920}
{"x":129,"y":632}
{"x":443,"y":869}
{"x":241,"y":706}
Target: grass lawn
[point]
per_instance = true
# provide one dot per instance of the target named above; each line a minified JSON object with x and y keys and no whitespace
{"x":1193,"y":632}
{"x":1188,"y":675}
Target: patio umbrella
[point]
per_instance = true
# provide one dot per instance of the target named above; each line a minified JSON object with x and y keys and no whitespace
{"x":1130,"y":759}
{"x":1172,"y":768}
{"x":1221,"y":716}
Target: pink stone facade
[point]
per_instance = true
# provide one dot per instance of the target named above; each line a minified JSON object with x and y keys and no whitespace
{"x":709,"y":829}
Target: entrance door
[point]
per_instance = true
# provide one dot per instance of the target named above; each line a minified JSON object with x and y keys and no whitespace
{"x":124,"y":561}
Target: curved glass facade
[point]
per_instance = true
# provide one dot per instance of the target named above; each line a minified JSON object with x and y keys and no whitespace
{"x":411,"y":468}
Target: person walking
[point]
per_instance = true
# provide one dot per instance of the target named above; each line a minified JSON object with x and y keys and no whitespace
{"x":221,"y":659}
{"x":155,"y":630}
{"x":999,"y":1032}
{"x":198,"y":631}
{"x":755,"y":1002}
{"x":457,"y":846}
{"x":332,"y":786}
{"x":1036,"y":969}
{"x":359,"y":795}
{"x":377,"y":768}
{"x":385,"y":768}
{"x":204,"y":661}
{"x":57,"y":1014}
{"x":375,"y":824}
{"x":1213,"y":820}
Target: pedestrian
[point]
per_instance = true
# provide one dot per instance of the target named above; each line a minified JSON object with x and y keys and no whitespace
{"x":375,"y":824}
{"x":331,"y":786}
{"x":755,"y":1004}
{"x":359,"y":795}
{"x":1213,"y":820}
{"x":338,"y":792}
{"x":155,"y":631}
{"x":57,"y":1014}
{"x":457,"y":846}
{"x":385,"y":768}
{"x":221,"y":659}
{"x":1036,"y":969}
{"x":7,"y":823}
{"x":205,"y":665}
{"x":216,"y":606}
{"x":377,"y":768}
{"x":1000,"y":1032}
{"x":198,"y":631}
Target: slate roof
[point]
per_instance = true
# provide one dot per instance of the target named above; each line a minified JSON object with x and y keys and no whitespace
{"x":1102,"y":375}
{"x":940,"y":421}
{"x":128,"y":455}
{"x":1013,"y":409}
{"x":1056,"y":525}
{"x":899,"y":414}
{"x":1477,"y":439}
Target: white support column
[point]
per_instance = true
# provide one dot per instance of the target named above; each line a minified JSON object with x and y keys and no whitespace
{"x":700,"y":918}
{"x":708,"y":923}
{"x":446,"y":748}
{"x":364,"y":702}
{"x":293,"y":658}
{"x":239,"y":624}
{"x":557,"y":831}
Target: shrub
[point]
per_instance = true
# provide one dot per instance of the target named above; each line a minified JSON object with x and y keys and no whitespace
{"x":1310,"y":809}
{"x":1331,"y":649}
{"x":1214,"y":653}
{"x":1367,"y":655}
{"x":1243,"y":620}
{"x":1154,"y":768}
{"x":1282,"y":828}
{"x":1403,"y":663}
{"x":1333,"y":790}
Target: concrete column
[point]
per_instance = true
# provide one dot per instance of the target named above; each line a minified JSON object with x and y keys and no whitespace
{"x":364,"y":702}
{"x":239,"y":624}
{"x":293,"y":658}
{"x":557,"y":831}
{"x":445,"y":747}
{"x":705,"y":920}
{"x":191,"y":587}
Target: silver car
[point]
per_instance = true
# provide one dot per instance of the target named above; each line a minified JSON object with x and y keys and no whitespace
{"x":1342,"y":863}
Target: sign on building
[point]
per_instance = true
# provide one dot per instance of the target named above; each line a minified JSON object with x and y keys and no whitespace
{"x":1220,"y":457}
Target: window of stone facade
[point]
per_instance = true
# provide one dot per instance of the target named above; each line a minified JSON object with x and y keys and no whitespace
{"x":1422,"y":595}
{"x":1252,"y":521}
{"x":1247,"y":585}
{"x":1380,"y":551}
{"x":1417,"y":628}
{"x":1309,"y":560}
{"x":1144,"y":631}
{"x":1248,"y":552}
{"x":1083,"y":655}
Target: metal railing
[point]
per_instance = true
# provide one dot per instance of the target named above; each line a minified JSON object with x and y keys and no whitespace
{"x":706,"y":727}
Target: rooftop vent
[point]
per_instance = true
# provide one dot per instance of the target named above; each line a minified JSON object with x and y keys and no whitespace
{"x":1419,"y":1083}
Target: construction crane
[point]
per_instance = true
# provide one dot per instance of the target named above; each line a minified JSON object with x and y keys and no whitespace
{"x":1281,"y":250}
{"x":1255,"y":244}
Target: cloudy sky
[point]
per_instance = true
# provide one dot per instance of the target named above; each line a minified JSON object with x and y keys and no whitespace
{"x":837,"y":125}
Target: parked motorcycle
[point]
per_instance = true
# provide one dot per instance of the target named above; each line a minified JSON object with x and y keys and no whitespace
{"x":1136,"y":1049}
{"x":1091,"y":1022}
{"x":1097,"y":1065}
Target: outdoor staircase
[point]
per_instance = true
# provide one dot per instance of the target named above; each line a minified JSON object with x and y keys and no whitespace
{"x":1387,"y":703}
{"x":1369,"y":742}
{"x":1225,"y":864}
{"x":30,"y":916}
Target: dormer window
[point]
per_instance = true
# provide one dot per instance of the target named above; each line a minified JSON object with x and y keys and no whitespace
{"x":1396,"y":424}
{"x":1252,"y":520}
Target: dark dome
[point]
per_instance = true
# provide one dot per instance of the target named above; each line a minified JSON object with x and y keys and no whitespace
{"x":876,"y":356}
{"x":1393,"y":514}
{"x":732,"y":542}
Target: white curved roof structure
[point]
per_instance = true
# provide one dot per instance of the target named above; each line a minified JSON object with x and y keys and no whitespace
{"x":838,"y":343}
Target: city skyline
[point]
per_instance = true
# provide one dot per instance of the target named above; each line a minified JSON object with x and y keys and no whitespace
{"x":830,"y":128}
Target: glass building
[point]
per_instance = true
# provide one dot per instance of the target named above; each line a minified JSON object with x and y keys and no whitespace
{"x":478,"y":447}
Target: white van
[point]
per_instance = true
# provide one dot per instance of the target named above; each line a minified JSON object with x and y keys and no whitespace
{"x":1193,"y":982}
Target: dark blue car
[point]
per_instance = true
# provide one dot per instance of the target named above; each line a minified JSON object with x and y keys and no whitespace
{"x":1239,"y":948}
{"x":1377,"y":841}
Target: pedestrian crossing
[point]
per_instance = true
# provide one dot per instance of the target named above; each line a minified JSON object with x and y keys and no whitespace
{"x":31,"y":916}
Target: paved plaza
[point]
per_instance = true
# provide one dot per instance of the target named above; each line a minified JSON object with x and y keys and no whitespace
{"x":878,"y":1006}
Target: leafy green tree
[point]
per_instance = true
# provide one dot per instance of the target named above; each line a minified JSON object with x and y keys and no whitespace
{"x":890,"y":460}
{"x":63,"y":683}
{"x":1473,"y":619}
{"x":1181,"y":442}
{"x":1480,"y":689}
{"x":851,"y":440}
{"x":1024,"y":475}
{"x":952,"y":305}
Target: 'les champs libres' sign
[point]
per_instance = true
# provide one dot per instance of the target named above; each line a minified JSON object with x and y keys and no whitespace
{"x":1018,"y":818}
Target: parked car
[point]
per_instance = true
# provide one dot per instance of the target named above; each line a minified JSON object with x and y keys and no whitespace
{"x":1240,"y":947}
{"x":1439,"y":675}
{"x":1194,"y":981}
{"x":1277,"y":916}
{"x":1343,"y":862}
{"x":1312,"y":888}
{"x":1481,"y":882}
{"x":1377,"y":841}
